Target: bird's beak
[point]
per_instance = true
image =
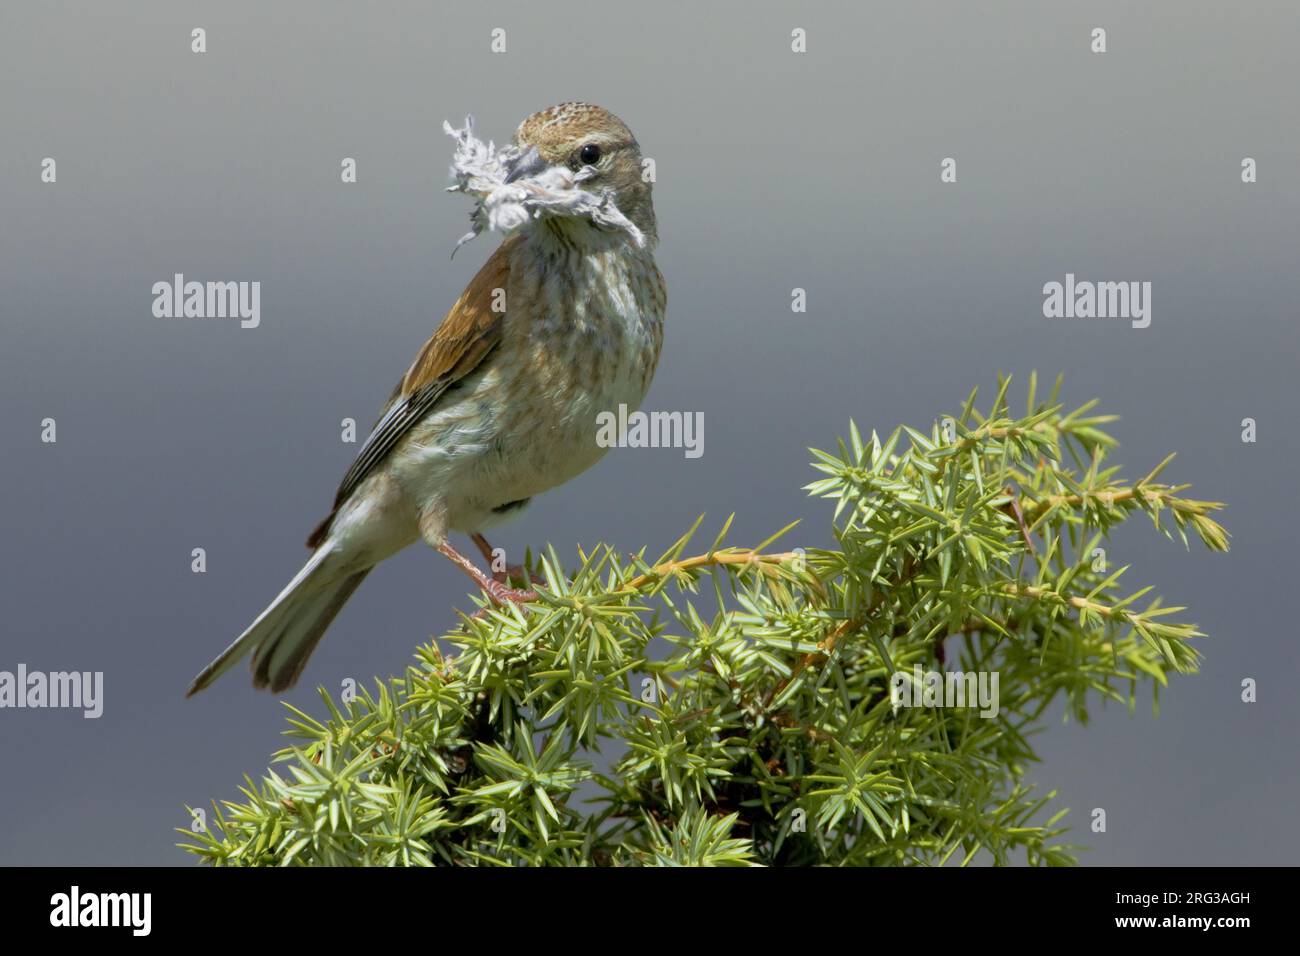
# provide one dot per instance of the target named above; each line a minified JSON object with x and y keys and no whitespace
{"x":528,"y":163}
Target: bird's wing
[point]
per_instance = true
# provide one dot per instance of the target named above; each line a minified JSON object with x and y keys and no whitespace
{"x":470,"y":331}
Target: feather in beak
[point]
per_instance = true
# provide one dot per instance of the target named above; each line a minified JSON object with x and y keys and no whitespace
{"x":513,"y":186}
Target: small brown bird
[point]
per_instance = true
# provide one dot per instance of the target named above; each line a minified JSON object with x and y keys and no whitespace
{"x":498,"y":406}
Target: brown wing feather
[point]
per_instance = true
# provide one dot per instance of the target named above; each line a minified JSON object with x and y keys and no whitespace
{"x":469,"y":332}
{"x":457,"y":345}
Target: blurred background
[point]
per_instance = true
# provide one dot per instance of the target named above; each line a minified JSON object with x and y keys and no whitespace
{"x":776,"y":170}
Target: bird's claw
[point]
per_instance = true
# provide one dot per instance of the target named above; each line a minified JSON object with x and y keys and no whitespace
{"x":503,"y":594}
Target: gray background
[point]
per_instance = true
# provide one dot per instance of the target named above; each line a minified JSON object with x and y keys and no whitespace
{"x":775,"y":171}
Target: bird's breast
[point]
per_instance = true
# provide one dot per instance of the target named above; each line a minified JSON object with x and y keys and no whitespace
{"x":583,"y":335}
{"x":586,"y":322}
{"x":583,"y":330}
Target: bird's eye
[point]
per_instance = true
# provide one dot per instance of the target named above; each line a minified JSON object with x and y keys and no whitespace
{"x":589,"y":154}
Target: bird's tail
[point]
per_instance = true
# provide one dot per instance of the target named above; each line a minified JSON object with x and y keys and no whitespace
{"x":284,"y":635}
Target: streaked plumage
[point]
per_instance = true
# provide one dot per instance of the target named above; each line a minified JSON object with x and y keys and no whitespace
{"x":497,"y":406}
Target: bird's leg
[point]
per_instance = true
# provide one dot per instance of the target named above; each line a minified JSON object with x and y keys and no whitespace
{"x":515,"y":571}
{"x":496,"y":590}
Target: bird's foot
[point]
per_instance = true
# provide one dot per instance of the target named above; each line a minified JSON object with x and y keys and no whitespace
{"x":504,"y":594}
{"x":498,"y":591}
{"x":511,"y":572}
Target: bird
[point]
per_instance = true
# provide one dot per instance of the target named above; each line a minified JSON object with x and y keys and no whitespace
{"x":500,"y":404}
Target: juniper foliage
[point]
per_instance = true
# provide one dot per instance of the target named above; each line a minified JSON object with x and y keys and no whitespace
{"x":734,"y":707}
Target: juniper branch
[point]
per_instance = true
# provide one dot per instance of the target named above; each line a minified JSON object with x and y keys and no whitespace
{"x":770,"y":730}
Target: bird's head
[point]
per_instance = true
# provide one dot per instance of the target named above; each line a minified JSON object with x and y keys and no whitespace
{"x":591,"y":140}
